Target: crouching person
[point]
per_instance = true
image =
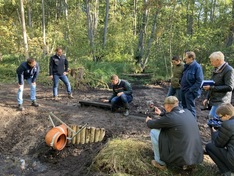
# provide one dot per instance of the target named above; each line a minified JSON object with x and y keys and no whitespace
{"x":122,"y":94}
{"x":175,"y":137}
{"x":221,"y":149}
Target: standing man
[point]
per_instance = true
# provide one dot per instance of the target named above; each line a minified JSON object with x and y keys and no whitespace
{"x":28,"y":71}
{"x":122,"y":94}
{"x":223,"y":76}
{"x":177,"y":71}
{"x":191,"y":80}
{"x":175,"y":136}
{"x":58,"y":70}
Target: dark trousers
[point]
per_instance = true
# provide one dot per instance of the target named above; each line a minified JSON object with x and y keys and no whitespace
{"x":219,"y":156}
{"x":188,"y":101}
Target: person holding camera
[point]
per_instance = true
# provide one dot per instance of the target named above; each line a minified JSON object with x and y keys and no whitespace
{"x":221,"y":149}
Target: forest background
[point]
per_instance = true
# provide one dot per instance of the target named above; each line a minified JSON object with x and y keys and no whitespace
{"x":114,"y":36}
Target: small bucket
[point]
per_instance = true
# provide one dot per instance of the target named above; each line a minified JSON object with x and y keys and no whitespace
{"x":57,"y":137}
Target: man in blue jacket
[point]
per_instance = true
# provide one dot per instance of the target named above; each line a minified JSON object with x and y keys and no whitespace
{"x":191,"y":80}
{"x":28,"y":71}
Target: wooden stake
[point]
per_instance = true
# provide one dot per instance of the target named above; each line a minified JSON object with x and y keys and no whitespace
{"x":97,"y":134}
{"x":92,"y":134}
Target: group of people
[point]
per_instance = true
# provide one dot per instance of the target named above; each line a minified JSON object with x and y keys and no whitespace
{"x":29,"y":71}
{"x":175,"y":134}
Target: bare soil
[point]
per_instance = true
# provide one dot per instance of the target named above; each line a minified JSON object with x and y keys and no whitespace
{"x":22,"y":133}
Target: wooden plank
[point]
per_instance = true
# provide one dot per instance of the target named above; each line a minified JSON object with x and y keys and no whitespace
{"x":95,"y":104}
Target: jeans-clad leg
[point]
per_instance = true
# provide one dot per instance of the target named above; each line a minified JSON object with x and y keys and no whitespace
{"x":171,"y":91}
{"x":20,"y":94}
{"x":66,"y":82}
{"x":213,"y":112}
{"x":55,"y":85}
{"x":154,"y":134}
{"x":32,"y":89}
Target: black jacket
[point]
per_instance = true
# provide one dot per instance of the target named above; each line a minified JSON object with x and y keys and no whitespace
{"x":24,"y":71}
{"x":179,"y":139}
{"x":224,"y":138}
{"x":58,"y":65}
{"x":221,"y":92}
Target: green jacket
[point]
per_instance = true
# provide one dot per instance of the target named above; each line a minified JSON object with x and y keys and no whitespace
{"x":177,"y":72}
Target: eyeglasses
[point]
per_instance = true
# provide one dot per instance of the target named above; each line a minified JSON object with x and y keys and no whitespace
{"x":220,"y":116}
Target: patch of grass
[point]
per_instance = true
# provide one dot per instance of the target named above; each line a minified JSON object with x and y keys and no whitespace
{"x":132,"y":157}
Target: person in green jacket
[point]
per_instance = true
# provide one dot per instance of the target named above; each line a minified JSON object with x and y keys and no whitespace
{"x":177,"y":69}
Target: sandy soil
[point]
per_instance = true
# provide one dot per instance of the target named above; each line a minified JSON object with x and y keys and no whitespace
{"x":22,"y":133}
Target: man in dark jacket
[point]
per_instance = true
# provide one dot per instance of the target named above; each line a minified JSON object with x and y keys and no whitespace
{"x":122,"y":94}
{"x":221,"y":149}
{"x":58,"y":70}
{"x":28,"y":71}
{"x":221,"y":92}
{"x":175,"y":136}
{"x":191,"y":80}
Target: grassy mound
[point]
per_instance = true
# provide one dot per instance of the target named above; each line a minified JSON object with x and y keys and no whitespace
{"x":125,"y":157}
{"x":132,"y":157}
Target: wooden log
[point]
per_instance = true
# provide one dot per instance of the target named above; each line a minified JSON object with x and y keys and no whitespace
{"x":95,"y":104}
{"x":102,"y":134}
{"x":78,"y":135}
{"x":73,"y":133}
{"x":92,"y":134}
{"x":97,"y":135}
{"x":87,"y":135}
{"x":82,"y":136}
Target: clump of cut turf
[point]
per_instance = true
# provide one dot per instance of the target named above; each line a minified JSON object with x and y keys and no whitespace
{"x":132,"y":157}
{"x":126,"y":156}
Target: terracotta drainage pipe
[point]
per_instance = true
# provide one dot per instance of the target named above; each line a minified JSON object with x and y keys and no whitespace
{"x":57,"y":137}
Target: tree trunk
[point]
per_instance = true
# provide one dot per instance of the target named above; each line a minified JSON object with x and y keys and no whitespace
{"x":106,"y":22}
{"x":190,"y":11}
{"x":29,"y":14}
{"x":150,"y":41}
{"x":140,"y":48}
{"x":24,"y":30}
{"x":43,"y":29}
{"x":229,"y":41}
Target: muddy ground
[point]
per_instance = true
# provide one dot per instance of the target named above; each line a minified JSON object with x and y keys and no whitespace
{"x":22,"y":134}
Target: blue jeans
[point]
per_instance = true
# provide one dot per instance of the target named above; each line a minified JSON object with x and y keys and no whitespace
{"x":188,"y":101}
{"x":32,"y":91}
{"x":122,"y":100}
{"x":213,"y":112}
{"x":175,"y":92}
{"x":56,"y":83}
{"x":154,"y":135}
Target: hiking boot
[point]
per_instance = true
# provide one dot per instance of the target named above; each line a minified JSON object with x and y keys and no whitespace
{"x":70,"y":96}
{"x":157,"y":165}
{"x":20,"y":107}
{"x":34,"y":103}
{"x":126,"y":112}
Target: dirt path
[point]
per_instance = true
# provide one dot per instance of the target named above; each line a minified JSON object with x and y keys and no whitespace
{"x":22,"y":133}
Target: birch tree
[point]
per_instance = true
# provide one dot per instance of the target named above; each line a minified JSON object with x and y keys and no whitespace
{"x":24,"y":30}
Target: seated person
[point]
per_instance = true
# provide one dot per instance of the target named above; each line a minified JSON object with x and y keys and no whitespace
{"x":122,"y":94}
{"x":175,"y":136}
{"x":221,"y":149}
